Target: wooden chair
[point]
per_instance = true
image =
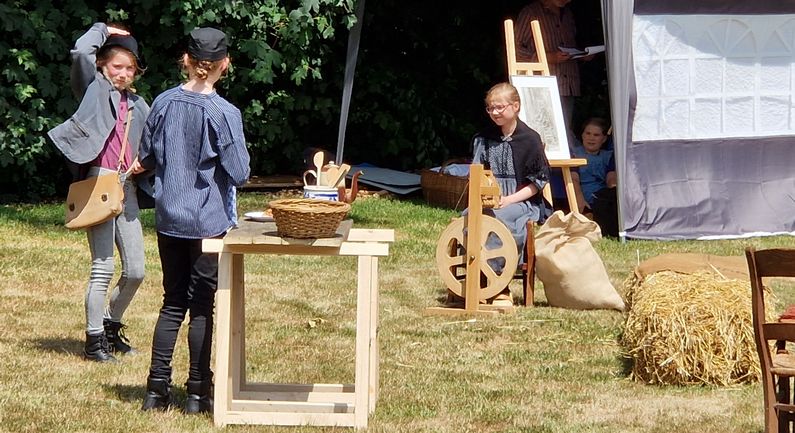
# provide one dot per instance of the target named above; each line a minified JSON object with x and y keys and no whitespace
{"x":778,"y":368}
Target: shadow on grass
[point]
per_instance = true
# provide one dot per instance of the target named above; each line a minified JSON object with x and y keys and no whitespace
{"x":127,"y":393}
{"x":69,"y":346}
{"x":136,"y":393}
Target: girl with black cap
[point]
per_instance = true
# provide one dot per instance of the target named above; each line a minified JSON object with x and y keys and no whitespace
{"x":194,"y":141}
{"x":105,"y":63}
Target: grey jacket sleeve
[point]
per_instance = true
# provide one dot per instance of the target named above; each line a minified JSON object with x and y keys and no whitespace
{"x":84,"y":58}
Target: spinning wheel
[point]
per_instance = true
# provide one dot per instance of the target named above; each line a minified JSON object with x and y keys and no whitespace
{"x":497,"y":251}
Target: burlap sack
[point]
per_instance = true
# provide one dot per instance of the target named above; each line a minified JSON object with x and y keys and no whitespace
{"x":572,"y":272}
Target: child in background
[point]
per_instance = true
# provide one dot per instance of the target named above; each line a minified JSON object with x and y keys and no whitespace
{"x":195,"y":143}
{"x":597,"y":180}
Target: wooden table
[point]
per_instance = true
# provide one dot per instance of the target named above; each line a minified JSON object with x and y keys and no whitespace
{"x":239,"y":402}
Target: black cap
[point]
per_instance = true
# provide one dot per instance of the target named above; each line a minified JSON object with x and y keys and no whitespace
{"x":125,"y":41}
{"x":207,"y":43}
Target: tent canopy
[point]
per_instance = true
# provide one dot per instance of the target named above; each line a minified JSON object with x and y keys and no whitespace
{"x":703,"y":108}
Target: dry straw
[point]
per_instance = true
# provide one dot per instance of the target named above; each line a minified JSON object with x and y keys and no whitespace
{"x":688,"y":329}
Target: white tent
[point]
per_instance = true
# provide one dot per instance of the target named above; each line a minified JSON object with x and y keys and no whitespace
{"x":703,"y":106}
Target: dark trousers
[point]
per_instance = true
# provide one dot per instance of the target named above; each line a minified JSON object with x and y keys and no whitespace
{"x":190,"y":279}
{"x":605,"y":211}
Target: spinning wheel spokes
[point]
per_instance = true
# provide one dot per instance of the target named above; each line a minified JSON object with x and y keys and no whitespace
{"x":451,"y":257}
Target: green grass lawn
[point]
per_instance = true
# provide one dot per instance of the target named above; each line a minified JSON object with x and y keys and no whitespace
{"x":541,"y":369}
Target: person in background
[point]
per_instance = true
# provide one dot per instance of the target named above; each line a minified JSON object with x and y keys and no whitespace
{"x":557,"y":30}
{"x":105,"y":63}
{"x":195,"y":143}
{"x":597,"y":179}
{"x":515,"y":155}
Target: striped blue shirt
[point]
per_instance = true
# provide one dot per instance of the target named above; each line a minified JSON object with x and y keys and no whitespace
{"x":195,"y":144}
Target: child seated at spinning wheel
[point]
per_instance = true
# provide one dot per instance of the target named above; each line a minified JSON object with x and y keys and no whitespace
{"x":515,"y":155}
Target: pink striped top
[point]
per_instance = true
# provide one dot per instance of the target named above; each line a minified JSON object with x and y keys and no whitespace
{"x":557,"y":30}
{"x":109,"y":156}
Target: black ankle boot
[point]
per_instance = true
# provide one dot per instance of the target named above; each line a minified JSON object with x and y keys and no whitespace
{"x":200,"y":396}
{"x":116,"y":338}
{"x":98,"y":349}
{"x":158,"y":394}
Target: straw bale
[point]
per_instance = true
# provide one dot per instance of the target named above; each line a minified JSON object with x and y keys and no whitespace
{"x":686,"y":329}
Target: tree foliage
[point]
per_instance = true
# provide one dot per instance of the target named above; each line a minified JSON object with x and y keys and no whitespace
{"x":423,"y":70}
{"x":280,"y":51}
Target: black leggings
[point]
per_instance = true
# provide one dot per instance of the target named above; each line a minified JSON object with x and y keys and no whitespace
{"x":190,"y":278}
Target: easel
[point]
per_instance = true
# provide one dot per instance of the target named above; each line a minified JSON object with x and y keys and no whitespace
{"x":482,"y":187}
{"x":541,"y":67}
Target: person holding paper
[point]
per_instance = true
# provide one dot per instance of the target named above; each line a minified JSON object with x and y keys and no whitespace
{"x":557,"y":30}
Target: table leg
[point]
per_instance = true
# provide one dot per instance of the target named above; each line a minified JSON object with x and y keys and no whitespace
{"x":374,"y":348}
{"x":238,"y":331}
{"x":223,"y":338}
{"x":363,"y":330}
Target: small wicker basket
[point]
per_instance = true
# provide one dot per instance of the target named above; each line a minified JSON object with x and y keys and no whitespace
{"x":444,"y":190}
{"x":307,"y":218}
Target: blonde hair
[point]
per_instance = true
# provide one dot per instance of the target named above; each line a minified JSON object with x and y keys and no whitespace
{"x":202,"y":68}
{"x":502,"y":90}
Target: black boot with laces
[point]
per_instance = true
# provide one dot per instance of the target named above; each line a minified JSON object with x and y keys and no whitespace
{"x":119,"y":343}
{"x":98,"y":349}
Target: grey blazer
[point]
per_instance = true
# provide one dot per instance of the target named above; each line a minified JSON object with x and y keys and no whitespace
{"x":82,"y":136}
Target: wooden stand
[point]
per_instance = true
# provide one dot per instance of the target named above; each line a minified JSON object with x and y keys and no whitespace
{"x":239,"y":402}
{"x":474,"y":259}
{"x":541,"y":67}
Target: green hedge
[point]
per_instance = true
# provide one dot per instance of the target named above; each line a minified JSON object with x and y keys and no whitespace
{"x":281,"y":51}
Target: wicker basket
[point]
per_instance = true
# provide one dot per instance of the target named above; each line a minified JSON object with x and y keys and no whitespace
{"x":444,"y":190}
{"x":307,"y":218}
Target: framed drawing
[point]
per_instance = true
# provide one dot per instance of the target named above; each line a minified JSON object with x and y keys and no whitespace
{"x":541,"y":110}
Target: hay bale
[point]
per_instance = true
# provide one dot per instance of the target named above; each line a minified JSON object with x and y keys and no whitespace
{"x":686,"y":329}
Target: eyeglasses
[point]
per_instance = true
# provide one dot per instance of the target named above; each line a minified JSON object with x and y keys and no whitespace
{"x":499,"y":108}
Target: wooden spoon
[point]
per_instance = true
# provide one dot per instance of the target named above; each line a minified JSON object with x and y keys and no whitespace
{"x":318,"y":161}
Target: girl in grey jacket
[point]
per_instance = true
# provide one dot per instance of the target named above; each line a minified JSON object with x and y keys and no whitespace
{"x":105,"y":63}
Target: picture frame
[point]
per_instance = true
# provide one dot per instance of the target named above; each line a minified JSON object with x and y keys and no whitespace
{"x":542,"y":111}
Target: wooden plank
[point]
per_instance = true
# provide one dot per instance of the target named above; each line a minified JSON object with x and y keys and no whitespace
{"x":571,"y":195}
{"x":374,"y":355}
{"x":212,"y":245}
{"x":472,"y":223}
{"x":265,"y":406}
{"x":364,"y":249}
{"x":573,"y":162}
{"x":307,"y":397}
{"x":223,"y":380}
{"x":273,"y":181}
{"x":452,"y":311}
{"x":237,"y":357}
{"x":363,"y":330}
{"x":282,"y":418}
{"x":305,"y":388}
{"x":371,"y":235}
